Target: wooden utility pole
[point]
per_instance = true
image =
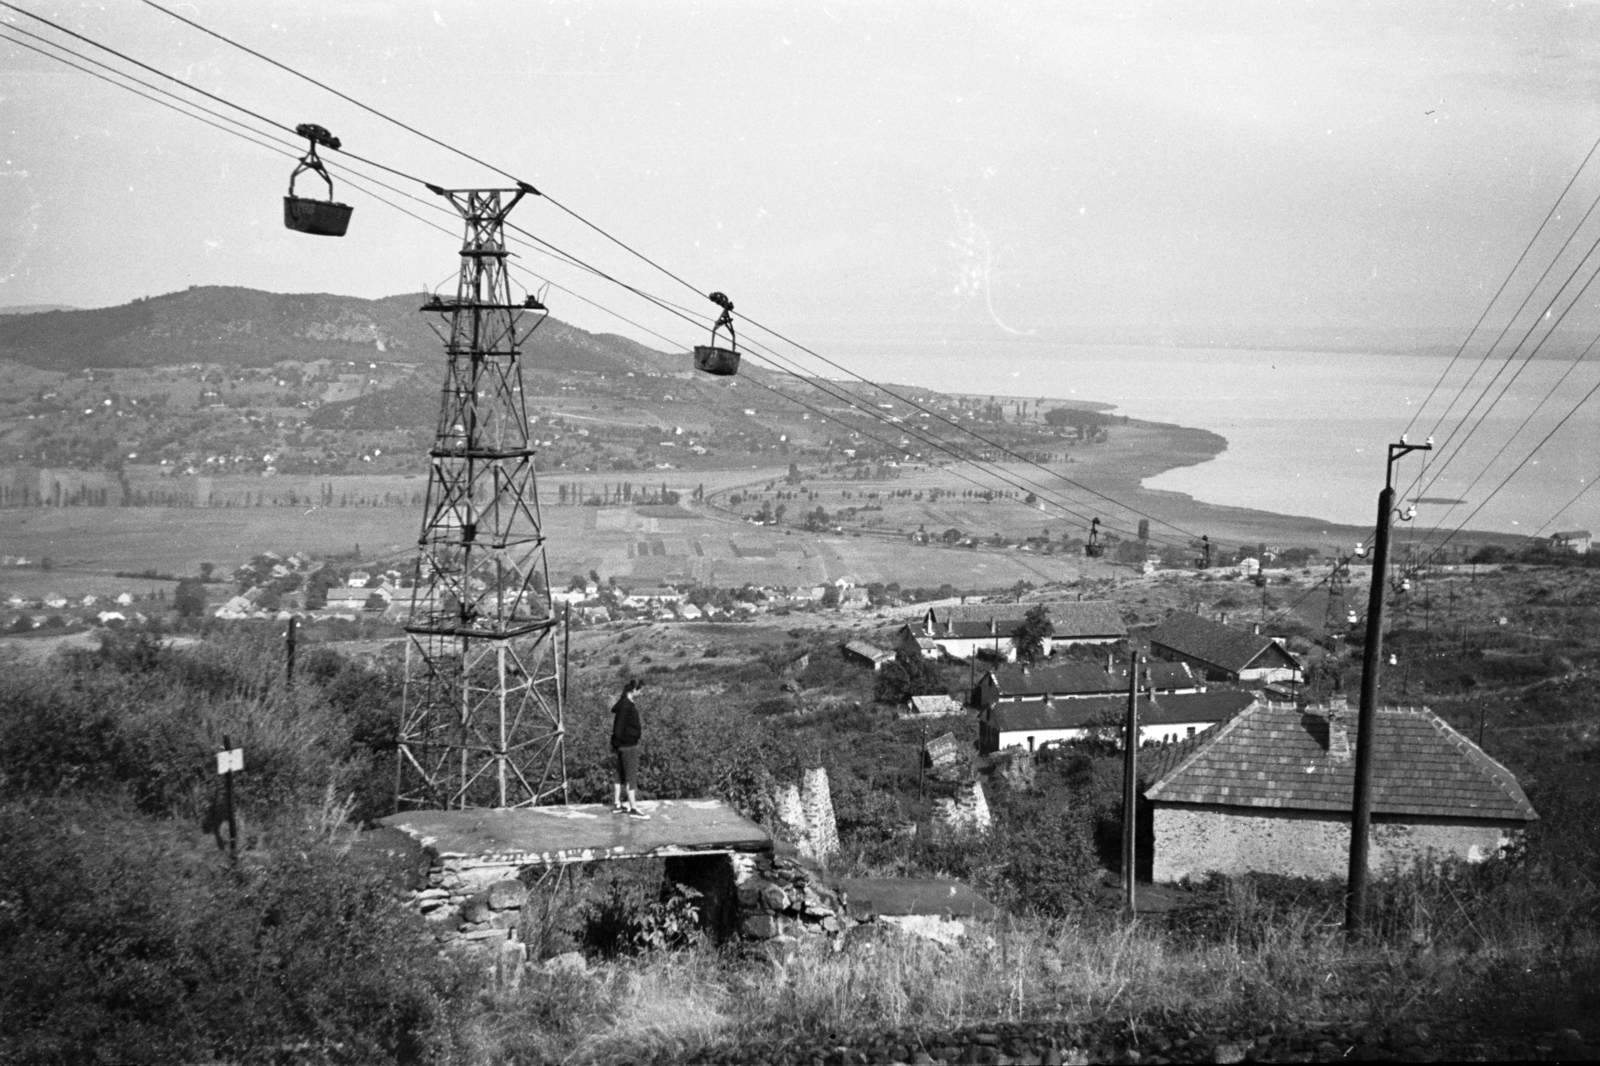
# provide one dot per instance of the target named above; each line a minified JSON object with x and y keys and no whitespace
{"x":1130,"y":772}
{"x":1366,"y":718}
{"x":288,"y":660}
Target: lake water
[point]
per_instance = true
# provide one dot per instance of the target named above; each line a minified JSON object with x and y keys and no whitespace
{"x":1306,"y":431}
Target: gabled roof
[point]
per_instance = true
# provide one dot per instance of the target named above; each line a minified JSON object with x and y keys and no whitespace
{"x":1069,"y":619}
{"x":1212,"y":642}
{"x":1276,"y":755}
{"x":1067,"y":679}
{"x":868,"y":651}
{"x":1571,"y":534}
{"x":1180,"y":709}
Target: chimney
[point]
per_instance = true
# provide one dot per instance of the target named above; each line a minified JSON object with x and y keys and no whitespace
{"x":1338,"y":734}
{"x":1257,"y":629}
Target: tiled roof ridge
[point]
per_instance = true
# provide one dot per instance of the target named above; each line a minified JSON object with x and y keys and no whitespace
{"x":1205,"y":740}
{"x":1495,"y":770}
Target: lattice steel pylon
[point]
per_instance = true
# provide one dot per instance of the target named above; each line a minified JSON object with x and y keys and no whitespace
{"x":481,"y":720}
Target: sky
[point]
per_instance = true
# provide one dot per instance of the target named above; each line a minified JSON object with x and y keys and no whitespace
{"x":1207,"y":173}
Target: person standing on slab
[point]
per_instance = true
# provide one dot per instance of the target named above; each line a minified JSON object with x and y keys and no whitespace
{"x":626,"y":732}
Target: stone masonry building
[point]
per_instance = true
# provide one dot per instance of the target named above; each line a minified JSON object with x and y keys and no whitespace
{"x":1271,"y":792}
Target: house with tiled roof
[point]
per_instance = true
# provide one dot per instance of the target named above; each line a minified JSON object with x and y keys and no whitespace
{"x":962,"y":631}
{"x":1031,"y":724}
{"x":1223,"y":653}
{"x":1271,"y":792}
{"x":1013,"y":682}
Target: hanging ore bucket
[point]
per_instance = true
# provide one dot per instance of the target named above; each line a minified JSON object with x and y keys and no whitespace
{"x":323,"y":218}
{"x":723,"y":362}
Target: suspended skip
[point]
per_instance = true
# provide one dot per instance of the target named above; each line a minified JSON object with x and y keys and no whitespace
{"x":321,"y":217}
{"x":724,"y":362}
{"x":1094,"y":549}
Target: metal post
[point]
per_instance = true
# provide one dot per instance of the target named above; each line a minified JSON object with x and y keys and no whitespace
{"x":1130,"y":770}
{"x":227,"y":788}
{"x":1366,"y":718}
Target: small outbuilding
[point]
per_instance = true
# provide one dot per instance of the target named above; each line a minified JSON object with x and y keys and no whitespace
{"x":1575,"y":541}
{"x":1223,"y":653}
{"x":1272,"y":790}
{"x":859,"y":651}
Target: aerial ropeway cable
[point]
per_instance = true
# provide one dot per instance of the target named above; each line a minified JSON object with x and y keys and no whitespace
{"x":724,"y":321}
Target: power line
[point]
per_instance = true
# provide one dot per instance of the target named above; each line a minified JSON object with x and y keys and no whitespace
{"x":1482,"y":418}
{"x":1515,"y":470}
{"x":1509,"y":275}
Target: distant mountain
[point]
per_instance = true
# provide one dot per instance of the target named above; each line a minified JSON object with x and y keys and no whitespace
{"x":247,"y":327}
{"x":34,"y":309}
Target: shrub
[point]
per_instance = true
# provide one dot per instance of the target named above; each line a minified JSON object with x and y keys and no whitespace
{"x":118,"y":941}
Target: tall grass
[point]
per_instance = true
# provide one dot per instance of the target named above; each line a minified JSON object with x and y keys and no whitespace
{"x":1257,"y":957}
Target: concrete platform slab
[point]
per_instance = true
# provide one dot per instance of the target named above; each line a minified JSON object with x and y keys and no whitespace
{"x":582,"y":832}
{"x":902,"y":896}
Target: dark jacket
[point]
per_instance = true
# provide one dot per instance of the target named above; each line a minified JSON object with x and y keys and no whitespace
{"x":626,"y":729}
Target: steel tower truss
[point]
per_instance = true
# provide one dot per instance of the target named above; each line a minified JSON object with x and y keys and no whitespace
{"x":481,"y":721}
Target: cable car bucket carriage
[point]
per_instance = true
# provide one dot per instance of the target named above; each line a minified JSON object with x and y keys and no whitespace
{"x":1094,"y":549}
{"x":724,"y":362}
{"x":323,"y":218}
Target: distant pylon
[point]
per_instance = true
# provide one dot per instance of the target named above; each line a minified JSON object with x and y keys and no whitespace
{"x":1337,"y":579}
{"x":481,"y":721}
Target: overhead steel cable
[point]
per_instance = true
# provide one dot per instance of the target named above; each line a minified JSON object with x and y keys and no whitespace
{"x":190,"y":85}
{"x":1435,"y":473}
{"x":327,"y":88}
{"x":1517,"y":469}
{"x":129,"y":88}
{"x":923,"y":434}
{"x":646,"y":259}
{"x":1563,"y":509}
{"x":359,"y":181}
{"x":1573,"y":365}
{"x":1509,"y":275}
{"x":920,"y":433}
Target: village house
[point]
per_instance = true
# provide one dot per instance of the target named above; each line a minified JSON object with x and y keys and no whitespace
{"x":354,"y":599}
{"x":1010,"y":683}
{"x":1271,"y":792}
{"x":1031,"y":724}
{"x":963,"y":631}
{"x":859,"y":651}
{"x":644,"y":598}
{"x":1222,"y":653}
{"x":854,"y":599}
{"x":1575,"y":541}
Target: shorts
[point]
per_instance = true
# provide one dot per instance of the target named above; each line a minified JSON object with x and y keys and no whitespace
{"x":628,"y":766}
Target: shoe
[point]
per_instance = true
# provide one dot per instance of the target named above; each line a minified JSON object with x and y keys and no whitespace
{"x":634,"y":812}
{"x":619,"y":809}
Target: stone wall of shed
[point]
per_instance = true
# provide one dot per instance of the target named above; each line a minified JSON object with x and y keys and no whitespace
{"x":1195,"y":841}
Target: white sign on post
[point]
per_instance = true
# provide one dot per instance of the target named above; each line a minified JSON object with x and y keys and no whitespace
{"x":230,"y":761}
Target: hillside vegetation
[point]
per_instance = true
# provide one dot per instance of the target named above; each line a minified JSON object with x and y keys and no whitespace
{"x":126,"y":932}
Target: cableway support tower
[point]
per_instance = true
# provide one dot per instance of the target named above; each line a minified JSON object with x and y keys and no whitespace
{"x":482,"y":718}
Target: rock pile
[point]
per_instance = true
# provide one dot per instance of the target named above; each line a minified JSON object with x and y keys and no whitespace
{"x":967,"y":811}
{"x":779,"y":897}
